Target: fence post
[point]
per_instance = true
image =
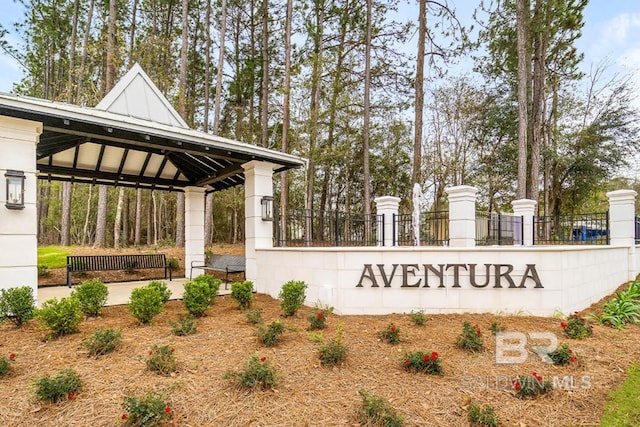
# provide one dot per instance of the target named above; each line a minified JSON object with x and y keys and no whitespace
{"x":387,"y":206}
{"x":622,"y":224}
{"x":462,"y":216}
{"x":526,"y":208}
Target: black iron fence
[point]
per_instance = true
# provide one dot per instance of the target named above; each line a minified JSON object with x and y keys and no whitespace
{"x":637,"y":228}
{"x":494,"y":228}
{"x":579,"y":229}
{"x":433,"y":230}
{"x":305,"y":227}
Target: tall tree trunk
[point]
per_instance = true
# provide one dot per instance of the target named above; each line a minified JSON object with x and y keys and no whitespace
{"x":85,"y":52}
{"x":125,"y":219}
{"x":264,"y":111}
{"x":218,"y":99}
{"x":155,"y":217}
{"x":182,"y":104}
{"x":111,"y":47}
{"x":132,"y":33}
{"x":180,"y":219}
{"x":207,"y":68}
{"x":150,"y":219}
{"x":138,"y":228}
{"x":117,"y":226}
{"x":85,"y":229}
{"x":522,"y":28}
{"x":419,"y":88}
{"x":284,"y":176}
{"x":367,"y":118}
{"x":65,"y":235}
{"x":72,"y":51}
{"x":101,"y":223}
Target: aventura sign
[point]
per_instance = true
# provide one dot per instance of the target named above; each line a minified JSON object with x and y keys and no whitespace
{"x":428,"y":275}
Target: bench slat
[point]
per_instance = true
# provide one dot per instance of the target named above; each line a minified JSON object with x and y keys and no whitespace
{"x":78,"y":263}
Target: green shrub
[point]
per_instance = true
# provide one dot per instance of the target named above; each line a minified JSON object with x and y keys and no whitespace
{"x":531,"y":385}
{"x":427,"y":363}
{"x":576,"y":327}
{"x":184,"y":326}
{"x":390,"y":334}
{"x":17,"y":305}
{"x":148,"y":410}
{"x":257,"y":373}
{"x":292,"y":296}
{"x":333,"y":352}
{"x":496,"y":327}
{"x":470,"y":338}
{"x":270,"y":334}
{"x":92,"y":295}
{"x":485,"y":416}
{"x":197,"y":297}
{"x":173,"y":264}
{"x":242,"y":292}
{"x":377,"y":411}
{"x":162,"y":360}
{"x":161,"y":286}
{"x":254,"y":316}
{"x":317,"y":320}
{"x":145,"y":303}
{"x":563,"y":355}
{"x":5,"y":364}
{"x":418,"y":317}
{"x":61,"y":387}
{"x":103,"y":341}
{"x":43,"y":271}
{"x":622,"y":309}
{"x":213,"y":282}
{"x":61,"y":317}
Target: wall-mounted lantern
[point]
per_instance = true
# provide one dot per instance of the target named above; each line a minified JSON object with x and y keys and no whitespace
{"x":15,"y":189}
{"x":266,"y":204}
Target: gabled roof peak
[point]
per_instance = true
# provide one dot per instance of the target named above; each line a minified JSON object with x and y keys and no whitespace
{"x":137,"y":96}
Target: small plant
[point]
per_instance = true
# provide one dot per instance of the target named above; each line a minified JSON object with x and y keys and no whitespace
{"x":377,"y":411}
{"x":254,"y":316}
{"x":471,"y":338}
{"x":149,"y":410}
{"x":428,"y":363}
{"x":576,"y":327}
{"x":5,"y":364}
{"x":482,"y":416}
{"x":390,"y":334}
{"x":334,"y":352}
{"x":242,"y":292}
{"x":197,"y":297}
{"x":161,"y":286}
{"x":292,"y":296}
{"x":212,"y":282}
{"x":270,"y":334}
{"x":418,"y":317}
{"x":622,"y":309}
{"x":63,"y":386}
{"x":531,"y":385}
{"x":43,"y":271}
{"x":316,"y":337}
{"x":17,"y":305}
{"x":62,"y":317}
{"x":563,"y":355}
{"x":162,"y":360}
{"x":318,"y":319}
{"x":103,"y":341}
{"x":496,"y":327}
{"x":173,"y":264}
{"x":258,"y":372}
{"x":92,"y":295}
{"x":184,"y":326}
{"x":145,"y":303}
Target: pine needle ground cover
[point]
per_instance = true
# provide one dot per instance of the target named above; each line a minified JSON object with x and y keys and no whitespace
{"x":307,"y":393}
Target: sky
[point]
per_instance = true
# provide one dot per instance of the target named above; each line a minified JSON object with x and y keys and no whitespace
{"x":611,"y":33}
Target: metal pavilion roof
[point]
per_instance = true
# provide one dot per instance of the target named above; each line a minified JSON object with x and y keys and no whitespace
{"x":134,"y":138}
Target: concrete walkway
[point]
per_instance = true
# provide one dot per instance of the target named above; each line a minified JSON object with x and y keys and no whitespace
{"x":119,"y":292}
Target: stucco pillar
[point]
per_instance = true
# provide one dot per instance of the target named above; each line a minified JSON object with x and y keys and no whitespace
{"x":622,"y":224}
{"x":388,"y":207}
{"x":19,"y":227}
{"x":258,"y":182}
{"x":525,"y":208}
{"x":193,"y":228}
{"x":462,"y":216}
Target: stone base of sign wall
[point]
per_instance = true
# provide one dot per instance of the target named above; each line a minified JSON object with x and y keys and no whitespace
{"x":532,"y":280}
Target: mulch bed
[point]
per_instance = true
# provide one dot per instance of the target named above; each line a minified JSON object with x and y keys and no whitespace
{"x":308,"y":394}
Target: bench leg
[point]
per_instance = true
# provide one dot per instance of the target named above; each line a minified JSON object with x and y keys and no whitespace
{"x":68,"y":278}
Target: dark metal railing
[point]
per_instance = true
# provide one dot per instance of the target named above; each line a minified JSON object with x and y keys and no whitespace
{"x":434,"y":229}
{"x":579,"y":229}
{"x":305,"y":227}
{"x":495,"y":228}
{"x":637,"y":228}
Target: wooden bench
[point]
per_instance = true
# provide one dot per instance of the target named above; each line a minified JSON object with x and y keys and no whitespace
{"x":83,"y":263}
{"x":227,"y":264}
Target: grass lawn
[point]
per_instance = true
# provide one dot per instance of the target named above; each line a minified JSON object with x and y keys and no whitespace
{"x":623,"y":404}
{"x":52,"y":256}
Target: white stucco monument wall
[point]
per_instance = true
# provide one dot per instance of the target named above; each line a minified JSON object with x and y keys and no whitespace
{"x":18,"y":227}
